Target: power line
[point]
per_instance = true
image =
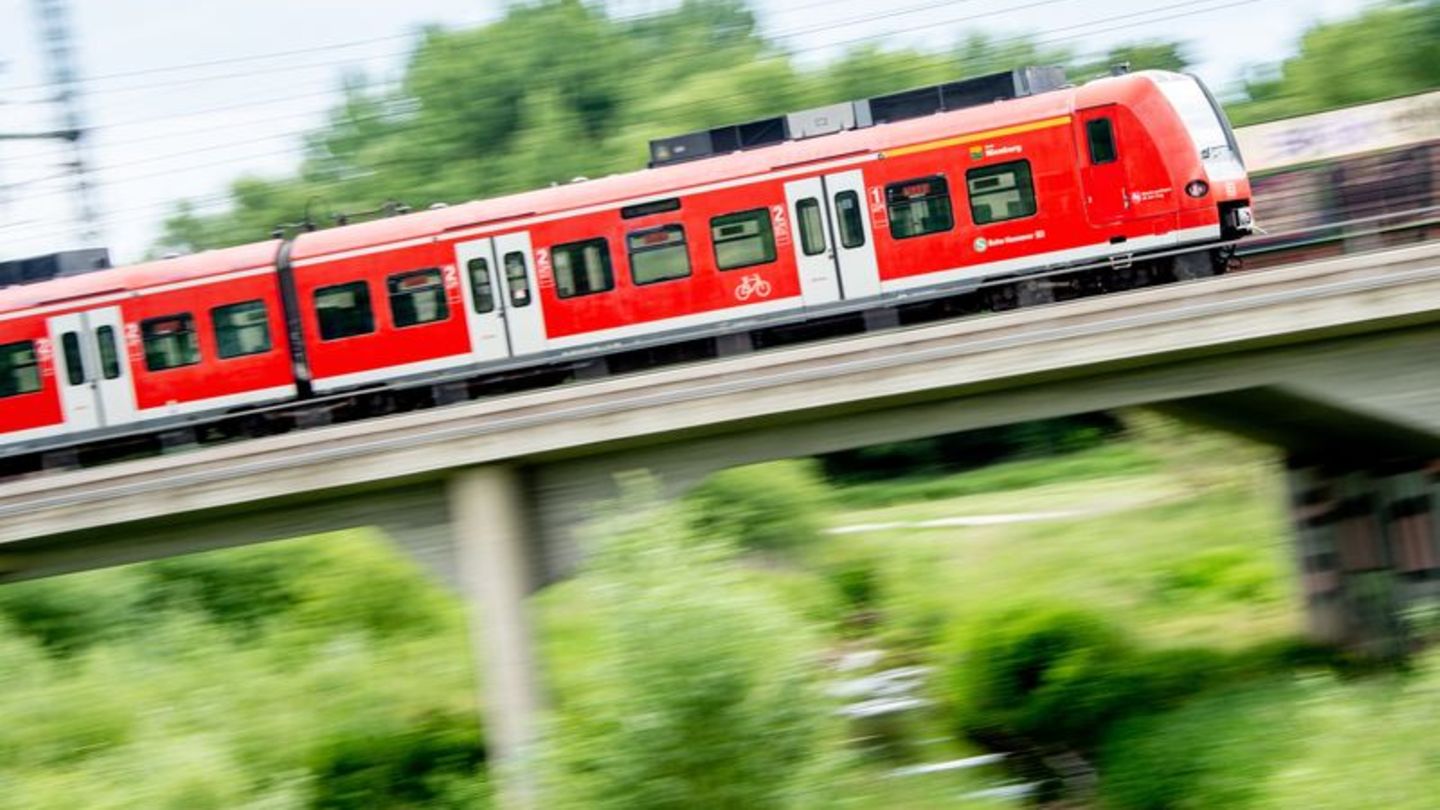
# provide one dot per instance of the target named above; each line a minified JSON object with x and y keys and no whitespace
{"x":334,"y":46}
{"x":1040,"y":38}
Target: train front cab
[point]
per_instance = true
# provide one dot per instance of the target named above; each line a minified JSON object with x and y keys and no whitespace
{"x":1159,"y":166}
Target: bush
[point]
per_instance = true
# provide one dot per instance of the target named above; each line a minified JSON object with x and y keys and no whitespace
{"x":763,"y":507}
{"x":1054,"y":674}
{"x":417,"y":764}
{"x":702,"y":690}
{"x":67,"y":614}
{"x":1216,"y":751}
{"x":1043,"y":674}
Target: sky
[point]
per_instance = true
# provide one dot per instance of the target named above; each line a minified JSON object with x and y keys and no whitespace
{"x":179,"y":107}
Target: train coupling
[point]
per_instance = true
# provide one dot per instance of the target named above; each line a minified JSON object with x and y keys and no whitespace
{"x":1240,"y":219}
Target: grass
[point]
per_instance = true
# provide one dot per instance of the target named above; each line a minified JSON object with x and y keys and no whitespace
{"x":1106,"y":461}
{"x":1312,"y":741}
{"x":1209,"y":567}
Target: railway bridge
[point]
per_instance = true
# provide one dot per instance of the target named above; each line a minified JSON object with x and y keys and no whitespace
{"x":1334,"y":361}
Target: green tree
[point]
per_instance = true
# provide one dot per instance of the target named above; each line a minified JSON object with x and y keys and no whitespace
{"x":1390,"y":49}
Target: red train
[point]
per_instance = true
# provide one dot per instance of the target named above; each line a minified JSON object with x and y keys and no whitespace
{"x":927,"y":192}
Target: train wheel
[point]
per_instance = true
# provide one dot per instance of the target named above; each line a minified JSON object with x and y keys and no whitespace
{"x":1192,"y":266}
{"x":1034,"y":292}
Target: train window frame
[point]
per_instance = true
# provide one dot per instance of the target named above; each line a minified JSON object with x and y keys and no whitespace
{"x":632,"y":251}
{"x":900,"y":197}
{"x":477,"y":289}
{"x":1027,"y":193}
{"x":765,"y":232}
{"x":107,"y":345}
{"x":519,"y":295}
{"x":11,"y":372}
{"x":149,"y":339}
{"x":802,"y":208}
{"x":851,"y":223}
{"x":362,"y":299}
{"x":219,"y":330}
{"x":1100,"y":157}
{"x":607,"y":269}
{"x":395,"y":294}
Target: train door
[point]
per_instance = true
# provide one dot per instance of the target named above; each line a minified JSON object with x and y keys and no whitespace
{"x":484,"y":301}
{"x":97,"y":388}
{"x":1107,"y":198}
{"x":834,"y":244}
{"x":524,"y":319}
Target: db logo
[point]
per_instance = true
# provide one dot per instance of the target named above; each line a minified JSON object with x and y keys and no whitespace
{"x":752,"y":285}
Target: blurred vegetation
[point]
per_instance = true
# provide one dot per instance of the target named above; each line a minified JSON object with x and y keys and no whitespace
{"x":1142,"y":632}
{"x":766,"y":507}
{"x":558,"y":89}
{"x":1390,"y":49}
{"x":701,"y":690}
{"x":324,"y":673}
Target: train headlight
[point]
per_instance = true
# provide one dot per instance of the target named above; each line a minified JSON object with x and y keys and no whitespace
{"x":1197,"y":188}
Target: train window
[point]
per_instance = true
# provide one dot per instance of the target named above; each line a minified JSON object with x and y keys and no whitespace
{"x":241,"y":329}
{"x":1101,"y":136}
{"x":1000,"y":192}
{"x":19,"y":370}
{"x":417,"y":298}
{"x":582,"y":268}
{"x":517,"y":279}
{"x":344,"y":310}
{"x":812,"y":226}
{"x":850,"y":218}
{"x":919,"y":207}
{"x":74,"y":363}
{"x":170,"y":342}
{"x":109,"y":355}
{"x":481,"y":288}
{"x":743,"y":239}
{"x":658,"y":254}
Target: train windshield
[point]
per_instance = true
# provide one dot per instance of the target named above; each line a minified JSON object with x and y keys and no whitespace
{"x":1213,"y":140}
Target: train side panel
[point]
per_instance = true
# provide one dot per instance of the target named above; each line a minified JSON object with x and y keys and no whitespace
{"x":383,"y":314}
{"x":29,"y":388}
{"x":174,"y":338}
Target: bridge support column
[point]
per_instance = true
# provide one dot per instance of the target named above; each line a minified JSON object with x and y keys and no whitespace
{"x":1368,"y":552}
{"x":488,"y":514}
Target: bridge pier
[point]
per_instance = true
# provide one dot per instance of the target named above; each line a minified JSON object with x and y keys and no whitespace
{"x":490,"y":526}
{"x":1368,"y":552}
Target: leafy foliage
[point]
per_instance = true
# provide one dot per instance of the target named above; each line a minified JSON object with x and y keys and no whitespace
{"x":274,"y":676}
{"x":702,"y":688}
{"x":763,"y":507}
{"x":1390,"y":49}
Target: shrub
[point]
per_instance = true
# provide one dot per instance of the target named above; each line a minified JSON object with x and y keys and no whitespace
{"x":1216,"y":751}
{"x":67,"y":614}
{"x":421,"y":763}
{"x":1047,"y":674}
{"x":763,"y":507}
{"x":703,"y":689}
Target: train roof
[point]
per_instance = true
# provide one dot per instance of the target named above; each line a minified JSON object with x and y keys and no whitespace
{"x":650,"y":183}
{"x":137,"y":277}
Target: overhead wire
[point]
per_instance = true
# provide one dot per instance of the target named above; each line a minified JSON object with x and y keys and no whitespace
{"x":1043,"y":37}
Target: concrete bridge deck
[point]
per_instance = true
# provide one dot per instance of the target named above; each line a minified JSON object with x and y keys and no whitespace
{"x":1334,"y":360}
